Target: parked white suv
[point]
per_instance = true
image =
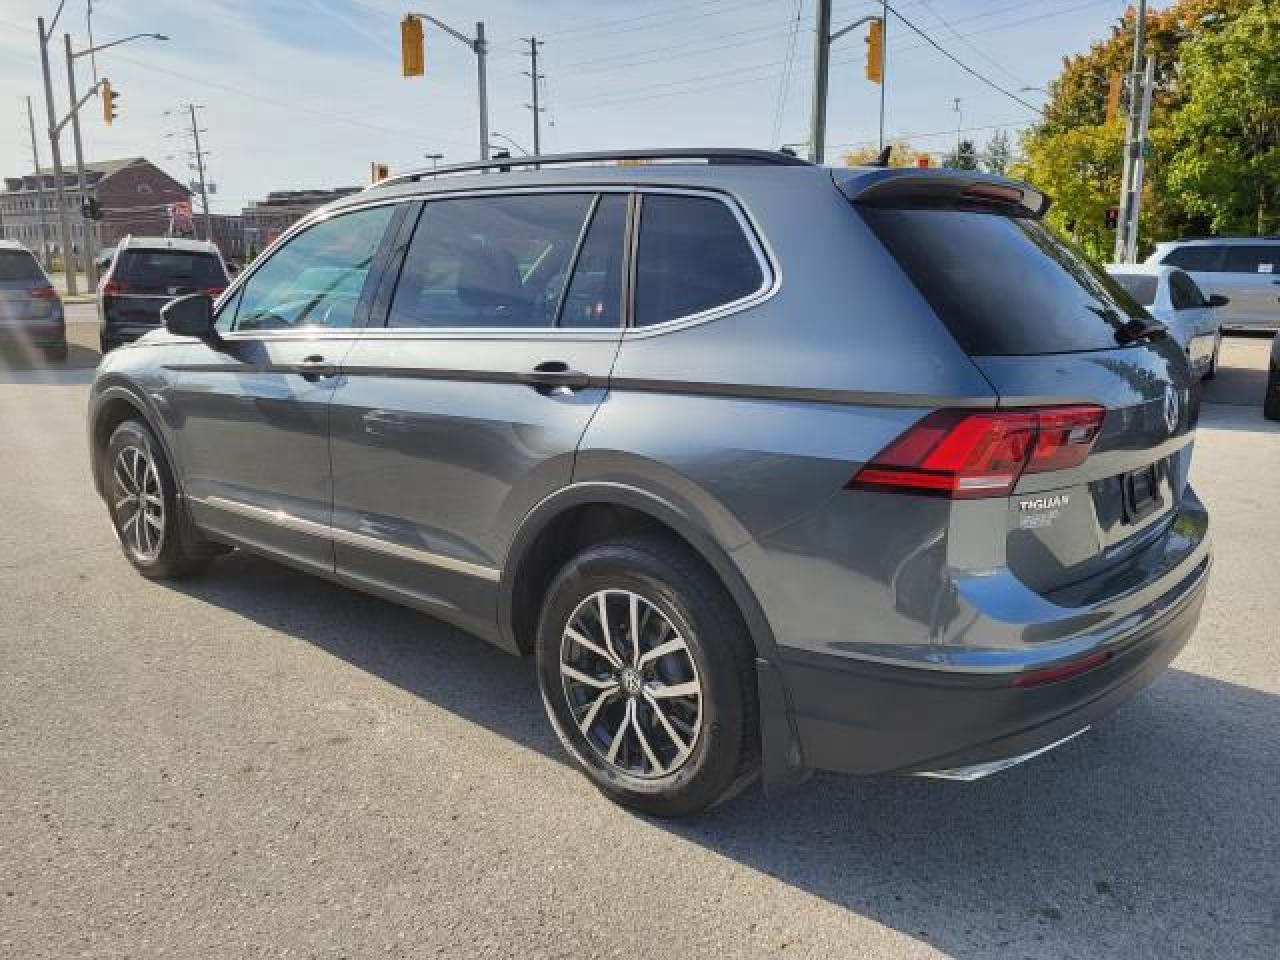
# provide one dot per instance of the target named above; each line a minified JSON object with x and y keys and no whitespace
{"x":1245,"y":270}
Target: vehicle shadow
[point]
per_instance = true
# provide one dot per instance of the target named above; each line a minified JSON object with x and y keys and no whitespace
{"x":1155,"y":834}
{"x":22,"y":363}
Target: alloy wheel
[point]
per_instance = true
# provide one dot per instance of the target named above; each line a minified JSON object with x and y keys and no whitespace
{"x":631,"y":683}
{"x":138,"y":502}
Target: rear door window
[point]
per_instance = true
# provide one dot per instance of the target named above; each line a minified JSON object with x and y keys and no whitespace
{"x":1259,"y":259}
{"x":1142,"y":288}
{"x":1004,"y":285}
{"x":165,"y":271}
{"x":1198,"y":259}
{"x":490,"y":261}
{"x":20,"y":267}
{"x":594,"y":298}
{"x":693,"y":257}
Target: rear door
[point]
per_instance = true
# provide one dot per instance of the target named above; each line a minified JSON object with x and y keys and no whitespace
{"x":1048,"y":328}
{"x":1251,"y":279}
{"x":465,"y":410}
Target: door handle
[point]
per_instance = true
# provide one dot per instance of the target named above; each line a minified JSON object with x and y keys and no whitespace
{"x":314,"y":367}
{"x":557,"y":374}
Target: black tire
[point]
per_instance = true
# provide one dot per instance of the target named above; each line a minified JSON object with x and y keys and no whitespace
{"x":55,"y":352}
{"x":724,"y":755}
{"x":180,"y":550}
{"x":1271,"y":402}
{"x":1213,"y":360}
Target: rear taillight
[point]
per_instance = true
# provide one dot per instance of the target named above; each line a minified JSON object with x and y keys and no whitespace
{"x":967,"y":454}
{"x":214,"y":292}
{"x":112,"y":287}
{"x":1038,"y":678}
{"x":43,"y":293}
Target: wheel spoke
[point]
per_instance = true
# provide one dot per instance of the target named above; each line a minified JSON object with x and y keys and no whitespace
{"x":573,"y":673}
{"x":122,"y":478}
{"x":634,"y":604}
{"x":661,"y":650}
{"x":681,"y":747}
{"x":155,"y":522}
{"x":659,"y":691}
{"x":594,"y":710}
{"x":152,"y":499}
{"x":599,"y":651}
{"x":603,"y":611}
{"x":126,"y":499}
{"x":658,"y":768}
{"x":612,"y":755}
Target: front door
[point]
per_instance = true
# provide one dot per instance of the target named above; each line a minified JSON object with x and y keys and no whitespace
{"x":253,"y":408}
{"x":465,"y":410}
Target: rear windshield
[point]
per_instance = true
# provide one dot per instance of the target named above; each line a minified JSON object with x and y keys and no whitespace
{"x":18,"y":266}
{"x":1006,"y":286}
{"x":1141,"y":288}
{"x":170,"y":268}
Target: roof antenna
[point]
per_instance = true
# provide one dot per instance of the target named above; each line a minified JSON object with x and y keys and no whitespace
{"x":883,"y":159}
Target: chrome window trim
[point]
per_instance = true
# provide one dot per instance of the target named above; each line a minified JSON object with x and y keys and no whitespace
{"x":281,"y":519}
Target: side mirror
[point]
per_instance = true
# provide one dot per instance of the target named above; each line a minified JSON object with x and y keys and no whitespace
{"x":190,"y":316}
{"x":1218,"y":300}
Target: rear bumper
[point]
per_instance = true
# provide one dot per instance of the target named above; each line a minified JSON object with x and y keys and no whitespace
{"x":867,"y":718}
{"x":40,"y":333}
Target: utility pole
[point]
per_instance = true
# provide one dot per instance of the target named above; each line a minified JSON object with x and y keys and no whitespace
{"x":1127,"y":220}
{"x":482,"y":87}
{"x":535,"y":76}
{"x":60,"y":194}
{"x":884,"y":61}
{"x":44,"y":214}
{"x":204,"y":193}
{"x":87,"y":251}
{"x":1140,"y":160}
{"x":959,"y":124}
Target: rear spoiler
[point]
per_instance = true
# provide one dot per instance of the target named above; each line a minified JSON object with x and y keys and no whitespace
{"x":917,"y":189}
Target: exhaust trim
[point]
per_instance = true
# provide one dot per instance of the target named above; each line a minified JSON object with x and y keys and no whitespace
{"x":978,"y":771}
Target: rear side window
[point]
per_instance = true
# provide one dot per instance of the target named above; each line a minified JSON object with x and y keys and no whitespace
{"x":492,"y":261}
{"x":1141,"y":288}
{"x":162,"y":268}
{"x":693,"y":257}
{"x":18,"y":266}
{"x":1199,"y":259}
{"x":1260,"y":259}
{"x":594,"y":298}
{"x":1003,"y":285}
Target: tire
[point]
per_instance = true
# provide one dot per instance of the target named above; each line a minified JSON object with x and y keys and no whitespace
{"x":1213,"y":360}
{"x":676,"y":754}
{"x":162,"y":543}
{"x":56,"y":352}
{"x":1271,"y":402}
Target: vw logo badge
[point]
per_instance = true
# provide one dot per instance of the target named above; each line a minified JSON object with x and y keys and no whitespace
{"x":1171,"y":408}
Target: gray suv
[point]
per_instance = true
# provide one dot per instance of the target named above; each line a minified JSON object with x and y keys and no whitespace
{"x":772,"y":467}
{"x":1245,"y":270}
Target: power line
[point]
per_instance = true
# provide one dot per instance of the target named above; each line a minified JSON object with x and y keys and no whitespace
{"x":787,"y":66}
{"x":972,"y":46}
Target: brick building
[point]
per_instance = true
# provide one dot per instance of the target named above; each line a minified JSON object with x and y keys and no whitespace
{"x":264,"y":220}
{"x":134,"y":195}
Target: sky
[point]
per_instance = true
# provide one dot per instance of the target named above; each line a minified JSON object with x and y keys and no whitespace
{"x":307,"y":93}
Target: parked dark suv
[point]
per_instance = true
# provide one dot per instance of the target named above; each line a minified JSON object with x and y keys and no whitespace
{"x":773,"y":467}
{"x":144,"y":274}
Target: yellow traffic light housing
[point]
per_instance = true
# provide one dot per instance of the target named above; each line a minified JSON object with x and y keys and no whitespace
{"x":379,"y":171}
{"x":413,"y":52}
{"x":108,"y":102}
{"x":875,"y":52}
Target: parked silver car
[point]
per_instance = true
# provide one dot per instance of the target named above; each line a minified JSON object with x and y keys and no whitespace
{"x":773,"y":467}
{"x":1245,"y":270}
{"x":30,"y":309}
{"x":1172,"y":297}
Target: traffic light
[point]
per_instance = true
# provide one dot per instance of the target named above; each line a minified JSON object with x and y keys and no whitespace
{"x":91,"y":210}
{"x":875,"y":52}
{"x":1113,"y":217}
{"x":922,"y":160}
{"x":413,"y":51}
{"x":379,"y":171}
{"x":109,"y":97}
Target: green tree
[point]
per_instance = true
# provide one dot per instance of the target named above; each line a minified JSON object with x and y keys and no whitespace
{"x":964,"y":157}
{"x":902,"y":155}
{"x":998,"y":155}
{"x":1226,"y":137}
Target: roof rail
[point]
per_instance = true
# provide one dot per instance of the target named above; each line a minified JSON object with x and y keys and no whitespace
{"x":1228,"y":236}
{"x":712,"y":155}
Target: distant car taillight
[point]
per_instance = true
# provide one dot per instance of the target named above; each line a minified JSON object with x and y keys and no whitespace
{"x":112,"y":287}
{"x":214,"y":292}
{"x":968,"y":454}
{"x":43,"y":293}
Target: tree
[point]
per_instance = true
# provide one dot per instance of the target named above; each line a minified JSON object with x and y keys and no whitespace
{"x":902,"y":154}
{"x":964,"y":157}
{"x":1226,"y":138}
{"x":998,"y":155}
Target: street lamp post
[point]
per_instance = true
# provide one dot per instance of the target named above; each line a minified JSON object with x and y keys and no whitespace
{"x":90,"y":226}
{"x":435,"y":158}
{"x":503,"y":136}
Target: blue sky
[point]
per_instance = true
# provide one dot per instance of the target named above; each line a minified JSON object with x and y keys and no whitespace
{"x":305,"y":93}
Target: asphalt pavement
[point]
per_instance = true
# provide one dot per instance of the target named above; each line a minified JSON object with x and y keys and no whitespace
{"x":257,"y":763}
